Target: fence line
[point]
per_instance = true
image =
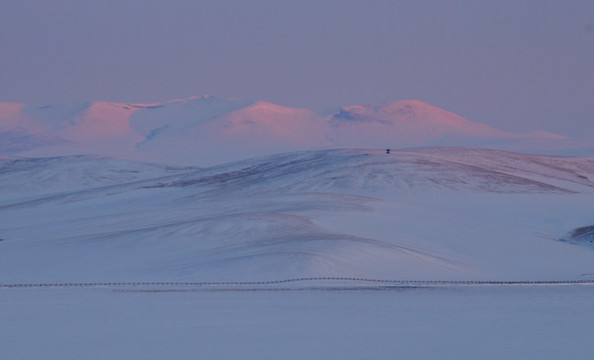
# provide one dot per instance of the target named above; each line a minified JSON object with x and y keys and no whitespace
{"x":385,"y":282}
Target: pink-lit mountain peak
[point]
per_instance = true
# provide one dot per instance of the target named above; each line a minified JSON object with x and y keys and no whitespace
{"x":265,"y":113}
{"x":402,"y":112}
{"x":407,"y":123}
{"x":267,"y":122}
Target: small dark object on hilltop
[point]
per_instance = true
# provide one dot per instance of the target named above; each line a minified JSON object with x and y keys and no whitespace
{"x":387,"y":151}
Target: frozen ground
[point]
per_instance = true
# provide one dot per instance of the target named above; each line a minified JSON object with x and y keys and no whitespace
{"x":413,"y":323}
{"x":425,"y":214}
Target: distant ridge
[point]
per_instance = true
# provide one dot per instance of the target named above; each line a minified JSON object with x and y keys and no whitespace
{"x":206,"y":130}
{"x":406,"y":123}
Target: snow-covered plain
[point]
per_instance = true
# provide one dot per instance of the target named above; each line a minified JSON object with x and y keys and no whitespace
{"x":546,"y":323}
{"x":436,"y":213}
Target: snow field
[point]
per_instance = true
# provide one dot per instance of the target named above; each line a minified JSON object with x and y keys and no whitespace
{"x":415,"y":323}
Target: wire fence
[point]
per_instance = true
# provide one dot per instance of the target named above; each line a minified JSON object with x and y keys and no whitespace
{"x":383,"y":282}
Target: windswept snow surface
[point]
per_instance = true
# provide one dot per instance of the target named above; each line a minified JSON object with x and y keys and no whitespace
{"x":448,"y":213}
{"x":22,"y":177}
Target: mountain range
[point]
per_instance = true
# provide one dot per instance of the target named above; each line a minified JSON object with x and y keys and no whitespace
{"x":207,"y":130}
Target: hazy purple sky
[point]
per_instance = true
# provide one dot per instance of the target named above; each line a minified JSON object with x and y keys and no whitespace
{"x":516,"y":65}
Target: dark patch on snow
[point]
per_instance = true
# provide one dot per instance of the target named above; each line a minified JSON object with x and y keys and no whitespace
{"x":581,"y":236}
{"x":154,"y":133}
{"x":346,"y":115}
{"x":587,"y":231}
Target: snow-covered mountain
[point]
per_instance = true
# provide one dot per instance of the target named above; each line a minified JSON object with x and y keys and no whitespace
{"x":412,"y":123}
{"x":448,"y":213}
{"x":208,"y":130}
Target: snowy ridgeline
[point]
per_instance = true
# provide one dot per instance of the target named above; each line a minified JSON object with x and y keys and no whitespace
{"x":208,"y":130}
{"x":427,"y":214}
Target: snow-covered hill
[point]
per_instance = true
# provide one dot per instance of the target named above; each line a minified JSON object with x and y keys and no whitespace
{"x":33,"y":177}
{"x":449,"y":213}
{"x":208,"y":130}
